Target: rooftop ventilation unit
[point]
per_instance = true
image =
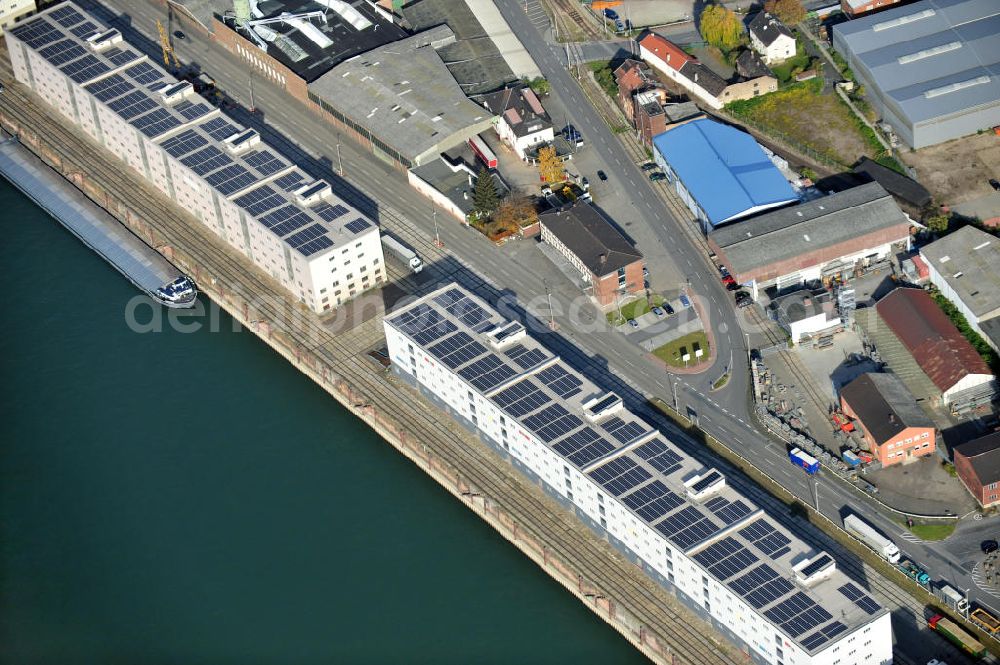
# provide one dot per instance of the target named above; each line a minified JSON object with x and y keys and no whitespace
{"x":242,"y":141}
{"x":313,"y":193}
{"x":602,"y":406}
{"x":104,"y":39}
{"x":177,"y":92}
{"x":813,"y":570}
{"x":504,"y":335}
{"x":705,"y":484}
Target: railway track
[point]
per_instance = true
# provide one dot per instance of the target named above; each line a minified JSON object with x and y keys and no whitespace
{"x":536,"y":515}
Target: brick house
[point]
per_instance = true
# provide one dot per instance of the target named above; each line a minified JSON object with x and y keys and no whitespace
{"x":977,"y":463}
{"x":632,"y":77}
{"x":894,"y":426}
{"x":591,"y":243}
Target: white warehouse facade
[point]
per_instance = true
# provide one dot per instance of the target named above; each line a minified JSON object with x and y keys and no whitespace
{"x":290,"y":225}
{"x":783,"y":601}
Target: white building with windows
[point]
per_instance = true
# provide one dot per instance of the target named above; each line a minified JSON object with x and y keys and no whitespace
{"x":736,"y":566}
{"x":287,"y":223}
{"x":11,"y":10}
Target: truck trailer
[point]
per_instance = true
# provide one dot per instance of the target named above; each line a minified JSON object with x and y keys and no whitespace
{"x":403,"y":253}
{"x":950,"y":596}
{"x":801,"y":458}
{"x":872,"y":538}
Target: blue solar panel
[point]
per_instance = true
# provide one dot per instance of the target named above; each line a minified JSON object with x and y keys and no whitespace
{"x":725,"y":558}
{"x":184,"y":143}
{"x":119,"y":56}
{"x":797,"y":614}
{"x":263,"y":162}
{"x":620,"y":475}
{"x":36,"y":33}
{"x":687,"y":527}
{"x":730,"y":512}
{"x":290,"y":181}
{"x":424,"y":324}
{"x":144,"y":73}
{"x":524,"y":357}
{"x":131,"y":105}
{"x":358,"y":225}
{"x":62,"y":52}
{"x":310,"y":240}
{"x":191,"y":111}
{"x":522,"y":398}
{"x":553,"y":422}
{"x":85,"y":30}
{"x":325,"y":211}
{"x":85,"y":68}
{"x":766,"y":539}
{"x":622,"y":431}
{"x":761,"y":586}
{"x":652,"y":501}
{"x":464,"y":309}
{"x":560,"y":381}
{"x":296,"y":221}
{"x":259,"y":200}
{"x":66,"y":16}
{"x":156,"y":123}
{"x":231,"y":179}
{"x":487,"y":373}
{"x":109,"y":88}
{"x":659,"y":456}
{"x":457,"y":350}
{"x":219,"y":129}
{"x":858,"y":597}
{"x":206,"y":160}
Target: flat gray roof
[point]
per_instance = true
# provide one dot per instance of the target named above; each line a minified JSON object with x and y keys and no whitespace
{"x":796,"y":230}
{"x":931,"y":58}
{"x":969,"y":260}
{"x":405,"y":96}
{"x":636,"y":464}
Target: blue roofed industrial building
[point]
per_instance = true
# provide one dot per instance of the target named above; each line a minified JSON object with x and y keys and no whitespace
{"x":721,"y":173}
{"x":931,"y":69}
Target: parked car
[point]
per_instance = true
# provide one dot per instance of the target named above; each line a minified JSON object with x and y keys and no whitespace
{"x":684,"y":300}
{"x":602,"y":175}
{"x":633,"y":323}
{"x":571,"y":134}
{"x":179,"y":35}
{"x":611,"y":14}
{"x":649,"y":166}
{"x":989,"y":546}
{"x":645,"y":271}
{"x":723,"y":270}
{"x":995,"y":184}
{"x":657,"y":311}
{"x":728,"y":280}
{"x":743,"y":299}
{"x":667,"y":308}
{"x":659,"y":175}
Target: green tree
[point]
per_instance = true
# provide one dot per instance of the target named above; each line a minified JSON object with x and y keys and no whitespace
{"x":550,"y":167}
{"x":721,"y":27}
{"x":484,"y":196}
{"x":938,"y":223}
{"x":788,"y":12}
{"x":540,"y":85}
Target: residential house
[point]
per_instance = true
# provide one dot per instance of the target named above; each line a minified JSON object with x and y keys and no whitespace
{"x":632,"y":77}
{"x":895,"y":428}
{"x":522,"y":122}
{"x":605,"y":258}
{"x":977,"y":463}
{"x":771,"y":38}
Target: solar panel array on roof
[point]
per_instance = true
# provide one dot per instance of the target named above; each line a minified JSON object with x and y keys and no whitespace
{"x":653,"y":501}
{"x":620,"y":475}
{"x":184,"y":143}
{"x":687,"y":527}
{"x":726,"y":558}
{"x":554,"y":422}
{"x":464,"y":309}
{"x":457,"y":349}
{"x":858,"y":597}
{"x":581,"y":447}
{"x":111,"y":87}
{"x":66,"y":16}
{"x":487,"y":373}
{"x":259,"y":200}
{"x":817,"y":564}
{"x":144,"y":73}
{"x":325,"y":211}
{"x":191,"y":111}
{"x":761,"y":586}
{"x":284,"y":220}
{"x":85,"y":30}
{"x":120,"y":56}
{"x":62,"y":52}
{"x":310,"y":240}
{"x":797,"y":614}
{"x":560,"y":381}
{"x":730,"y":512}
{"x":424,"y":324}
{"x":705,"y":482}
{"x":524,"y":357}
{"x":157,"y":122}
{"x":522,"y":398}
{"x":824,"y":635}
{"x":206,"y":160}
{"x":132,"y":104}
{"x":85,"y":68}
{"x":290,"y":181}
{"x":263,"y":162}
{"x":231,"y":179}
{"x":36,"y":33}
{"x":357,"y":225}
{"x":766,"y":539}
{"x":622,"y":431}
{"x":659,"y":456}
{"x":218,"y":129}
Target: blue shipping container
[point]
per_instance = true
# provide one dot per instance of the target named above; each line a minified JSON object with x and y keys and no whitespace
{"x":804,"y":459}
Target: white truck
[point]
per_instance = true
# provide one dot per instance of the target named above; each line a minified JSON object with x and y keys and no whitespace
{"x":872,"y":538}
{"x":402,"y":252}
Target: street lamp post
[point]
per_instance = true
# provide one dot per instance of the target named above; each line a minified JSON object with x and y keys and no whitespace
{"x":340,"y":161}
{"x":437,"y":236}
{"x":548,"y":297}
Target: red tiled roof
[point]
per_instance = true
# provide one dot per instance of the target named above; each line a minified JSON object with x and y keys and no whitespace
{"x":666,"y":51}
{"x":938,"y":347}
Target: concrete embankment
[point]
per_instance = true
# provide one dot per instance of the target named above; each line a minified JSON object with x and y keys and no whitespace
{"x":612,"y":586}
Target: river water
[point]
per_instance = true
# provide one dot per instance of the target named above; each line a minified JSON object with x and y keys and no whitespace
{"x":190,"y":498}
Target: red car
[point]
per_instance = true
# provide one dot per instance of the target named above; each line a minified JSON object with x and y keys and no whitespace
{"x":728,"y":280}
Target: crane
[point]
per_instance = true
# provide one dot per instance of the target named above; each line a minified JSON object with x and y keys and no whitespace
{"x":165,"y":47}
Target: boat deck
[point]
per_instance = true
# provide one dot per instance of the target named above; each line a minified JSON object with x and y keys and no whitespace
{"x":143,"y":265}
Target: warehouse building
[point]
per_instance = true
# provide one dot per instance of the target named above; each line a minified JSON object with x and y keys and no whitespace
{"x":929,"y":68}
{"x":720,"y":172}
{"x":927,"y":338}
{"x":607,"y":261}
{"x":895,"y":428}
{"x":963,"y":266}
{"x":402,"y":100}
{"x":727,"y":560}
{"x":977,"y":463}
{"x":288,"y":224}
{"x":827,"y":239}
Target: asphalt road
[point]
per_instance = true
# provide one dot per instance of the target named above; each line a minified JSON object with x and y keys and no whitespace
{"x":382,"y":192}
